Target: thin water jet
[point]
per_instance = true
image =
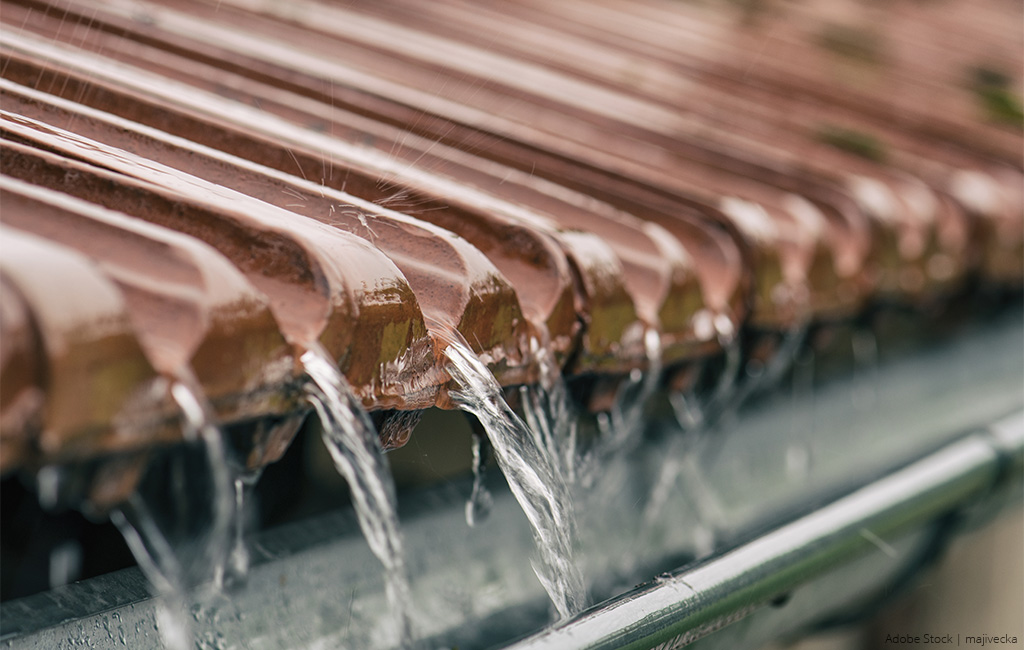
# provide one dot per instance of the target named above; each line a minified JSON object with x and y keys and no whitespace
{"x":238,"y":559}
{"x":529,"y":469}
{"x":673,"y":457}
{"x":800,"y":452}
{"x":478,"y":507}
{"x":199,"y":423}
{"x":864,"y":344}
{"x":689,"y":413}
{"x":754,"y":376}
{"x":159,"y":563}
{"x":710,"y":513}
{"x":550,"y":419}
{"x":622,"y":429}
{"x":549,"y":412}
{"x":158,"y":558}
{"x":703,"y":411}
{"x":355,"y":448}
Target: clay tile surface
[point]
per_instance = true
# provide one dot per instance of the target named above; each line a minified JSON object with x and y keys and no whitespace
{"x":285,"y":71}
{"x":196,"y":316}
{"x":562,"y":277}
{"x":673,"y":273}
{"x":324,"y":286}
{"x":82,"y":323}
{"x":461,"y":291}
{"x":22,"y":366}
{"x":944,"y":253}
{"x":446,"y":288}
{"x":552,"y":183}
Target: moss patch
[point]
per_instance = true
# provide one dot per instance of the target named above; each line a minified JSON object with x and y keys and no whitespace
{"x":852,"y":141}
{"x":995,"y":95}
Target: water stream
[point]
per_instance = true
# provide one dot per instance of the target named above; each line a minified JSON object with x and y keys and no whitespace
{"x":158,"y":561}
{"x":800,"y":451}
{"x":355,"y":448}
{"x":163,"y":550}
{"x":696,"y":410}
{"x":622,"y":428}
{"x":238,"y":560}
{"x":200,"y":424}
{"x":478,"y":507}
{"x":864,"y":345}
{"x":550,"y":414}
{"x":530,"y":471}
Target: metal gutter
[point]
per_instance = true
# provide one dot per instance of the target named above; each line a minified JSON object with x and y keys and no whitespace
{"x":674,"y":611}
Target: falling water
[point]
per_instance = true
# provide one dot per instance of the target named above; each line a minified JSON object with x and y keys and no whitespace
{"x":785,"y":355}
{"x":800,"y":451}
{"x":238,"y":560}
{"x":159,"y":563}
{"x":199,"y":423}
{"x":710,"y":514}
{"x":622,"y":428}
{"x":550,"y":415}
{"x":682,"y":461}
{"x":865,"y":360}
{"x":355,"y":448}
{"x":695,"y":412}
{"x":159,"y":559}
{"x":760,"y":376}
{"x":65,"y":563}
{"x":668,"y":476}
{"x":688,"y":409}
{"x":478,"y":507}
{"x":540,"y":490}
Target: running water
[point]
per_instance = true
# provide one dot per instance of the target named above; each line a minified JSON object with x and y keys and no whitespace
{"x":800,"y":451}
{"x":695,"y":412}
{"x":160,"y":560}
{"x":668,"y":476}
{"x":682,"y":462}
{"x":199,"y":424}
{"x":238,"y":560}
{"x":758,"y":376}
{"x":355,"y":448}
{"x":478,"y":507}
{"x":865,"y":363}
{"x":536,"y":484}
{"x":622,"y":429}
{"x":159,"y":563}
{"x":550,"y":415}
